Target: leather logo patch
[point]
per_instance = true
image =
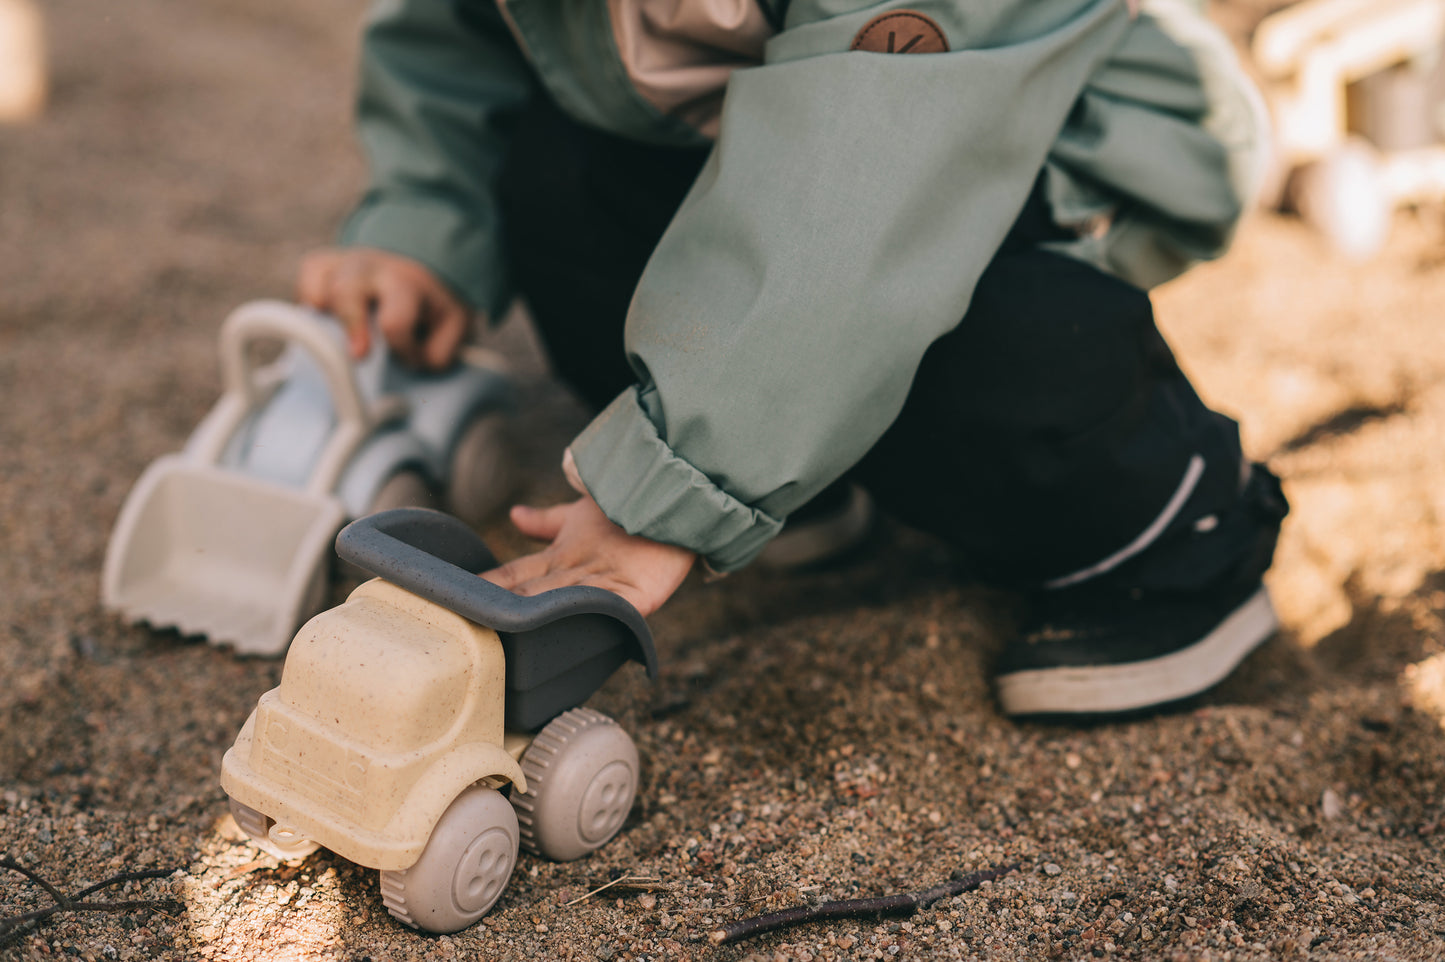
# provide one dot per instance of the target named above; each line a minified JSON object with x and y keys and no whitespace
{"x":901,"y":31}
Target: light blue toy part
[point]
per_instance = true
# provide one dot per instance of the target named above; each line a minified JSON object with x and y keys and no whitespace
{"x":231,"y":537}
{"x":418,"y":416}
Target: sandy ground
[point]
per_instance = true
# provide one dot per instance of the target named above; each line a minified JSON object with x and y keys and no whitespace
{"x":810,"y":737}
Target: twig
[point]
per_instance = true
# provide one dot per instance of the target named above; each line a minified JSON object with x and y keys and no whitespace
{"x":631,"y":883}
{"x":124,"y":877}
{"x":716,"y":909}
{"x":14,"y":866}
{"x":10,"y":925}
{"x":904,"y":904}
{"x":240,"y":870}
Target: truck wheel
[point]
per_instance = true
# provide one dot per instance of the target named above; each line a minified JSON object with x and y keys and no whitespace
{"x":483,"y":470}
{"x":406,"y":488}
{"x":581,"y":778}
{"x":268,"y":837}
{"x":463,"y":869}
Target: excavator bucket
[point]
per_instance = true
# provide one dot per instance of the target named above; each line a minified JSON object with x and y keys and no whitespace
{"x":212,"y":552}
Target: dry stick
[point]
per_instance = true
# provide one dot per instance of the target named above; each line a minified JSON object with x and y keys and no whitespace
{"x":74,"y":903}
{"x":905,"y":904}
{"x":631,"y":883}
{"x":124,"y":877}
{"x":51,"y":890}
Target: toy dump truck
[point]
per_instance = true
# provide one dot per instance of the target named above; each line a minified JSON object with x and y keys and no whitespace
{"x":430,"y":725}
{"x":231,"y":537}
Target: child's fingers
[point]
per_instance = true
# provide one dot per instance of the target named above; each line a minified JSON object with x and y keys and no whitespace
{"x":571,"y":577}
{"x":540,"y":523}
{"x":313,"y":281}
{"x":449,"y":326}
{"x":515,"y":572}
{"x":398,"y":311}
{"x":352,"y":293}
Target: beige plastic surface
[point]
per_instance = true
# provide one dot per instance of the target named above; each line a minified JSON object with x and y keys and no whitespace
{"x":389,"y":707}
{"x":269,"y":837}
{"x":213,"y":552}
{"x":210,"y":552}
{"x":1312,"y":50}
{"x":1311,"y":55}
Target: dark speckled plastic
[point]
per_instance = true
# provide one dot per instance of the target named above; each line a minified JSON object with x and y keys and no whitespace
{"x":561,"y":645}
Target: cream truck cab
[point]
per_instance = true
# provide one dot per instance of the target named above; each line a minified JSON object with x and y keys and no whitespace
{"x":429,"y":726}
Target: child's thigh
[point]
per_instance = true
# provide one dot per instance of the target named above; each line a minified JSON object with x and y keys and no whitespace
{"x":1050,"y":425}
{"x":583,"y":211}
{"x":1048,"y":345}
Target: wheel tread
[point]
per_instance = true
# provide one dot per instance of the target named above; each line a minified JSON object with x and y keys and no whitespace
{"x":393,"y":896}
{"x":539,"y":757}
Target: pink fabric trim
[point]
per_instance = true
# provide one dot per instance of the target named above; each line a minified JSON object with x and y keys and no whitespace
{"x":679,"y":53}
{"x":570,"y":472}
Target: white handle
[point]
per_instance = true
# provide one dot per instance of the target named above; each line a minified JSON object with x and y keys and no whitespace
{"x":246,"y":388}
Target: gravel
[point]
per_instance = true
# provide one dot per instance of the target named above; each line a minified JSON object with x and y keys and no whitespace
{"x":813,"y":737}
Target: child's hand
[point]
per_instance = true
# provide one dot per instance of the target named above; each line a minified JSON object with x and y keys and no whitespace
{"x":588,"y":549}
{"x":422,"y":321}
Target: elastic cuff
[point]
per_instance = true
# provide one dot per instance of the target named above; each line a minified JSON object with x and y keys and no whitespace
{"x":432,"y":231}
{"x":646,"y":489}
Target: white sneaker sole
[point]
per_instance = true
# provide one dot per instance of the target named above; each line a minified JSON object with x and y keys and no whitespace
{"x":1106,"y":689}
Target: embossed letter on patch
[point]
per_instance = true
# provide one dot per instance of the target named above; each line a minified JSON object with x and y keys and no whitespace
{"x":902,"y":31}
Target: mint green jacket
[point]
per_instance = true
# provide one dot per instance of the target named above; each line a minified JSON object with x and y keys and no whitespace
{"x":840,"y":224}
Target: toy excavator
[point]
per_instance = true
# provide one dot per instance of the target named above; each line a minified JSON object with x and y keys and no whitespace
{"x":231,"y":537}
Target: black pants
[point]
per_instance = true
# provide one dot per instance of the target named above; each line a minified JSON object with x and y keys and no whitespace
{"x":1047,"y":433}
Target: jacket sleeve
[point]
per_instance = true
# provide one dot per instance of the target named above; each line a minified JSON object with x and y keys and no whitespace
{"x":839,"y":227}
{"x":440,"y":80}
{"x":1165,"y":147}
